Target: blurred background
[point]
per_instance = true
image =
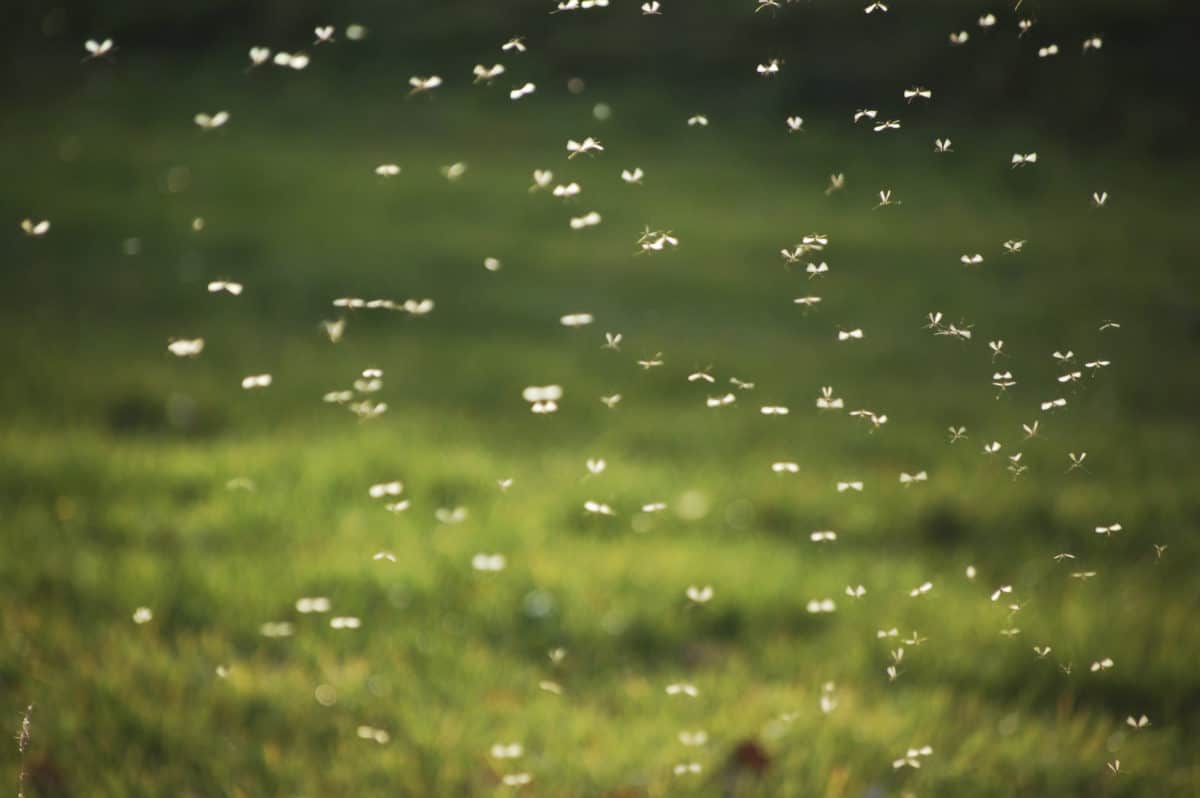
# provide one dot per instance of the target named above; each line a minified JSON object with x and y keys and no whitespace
{"x":131,"y":478}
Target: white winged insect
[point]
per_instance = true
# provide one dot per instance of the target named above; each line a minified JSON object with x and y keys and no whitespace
{"x":773,"y":410}
{"x":1023,"y":159}
{"x":865,"y":113}
{"x":785,"y":468}
{"x":98,"y":49}
{"x":324,"y":34}
{"x":387,"y":170}
{"x":588,"y":145}
{"x":697,"y":120}
{"x":634,"y":176}
{"x":516,"y":43}
{"x":907,"y":479}
{"x":541,"y":179}
{"x":1101,"y":665}
{"x":823,"y":536}
{"x":487,"y":74}
{"x":1092,"y":43}
{"x":827,"y":401}
{"x":921,"y":589}
{"x":612,"y":341}
{"x":816,"y":269}
{"x":821,"y":606}
{"x":850,"y":335}
{"x":589,"y":219}
{"x":855,"y":591}
{"x":770,"y":68}
{"x":959,"y":37}
{"x":423,"y":83}
{"x":942,"y":145}
{"x":1054,"y":404}
{"x":1099,"y":199}
{"x":1048,"y":51}
{"x":524,"y":90}
{"x":1137,"y":723}
{"x":185,"y":347}
{"x":885,"y":199}
{"x":795,"y":124}
{"x":1108,"y":530}
{"x":970,"y":260}
{"x":225,"y":286}
{"x":878,"y":5}
{"x":542,"y":399}
{"x":698,"y":594}
{"x":255,"y":381}
{"x":836,"y":183}
{"x":853,"y":485}
{"x":489,"y":563}
{"x":987,"y":21}
{"x":35,"y":229}
{"x":1014,"y":246}
{"x":211,"y":121}
{"x":957,"y":433}
{"x":567,"y":190}
{"x":720,"y":401}
{"x":597,"y":508}
{"x":917,"y":93}
{"x":653,"y":8}
{"x":890,"y":124}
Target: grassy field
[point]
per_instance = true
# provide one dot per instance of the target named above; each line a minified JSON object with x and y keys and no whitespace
{"x":116,"y":458}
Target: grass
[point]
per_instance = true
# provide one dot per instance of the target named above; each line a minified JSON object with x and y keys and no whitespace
{"x":114,"y":457}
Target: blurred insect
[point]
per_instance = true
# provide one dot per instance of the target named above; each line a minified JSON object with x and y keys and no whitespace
{"x":229,"y":287}
{"x":823,"y":536}
{"x":612,"y":341}
{"x":997,"y":348}
{"x":542,"y":398}
{"x":422,"y":84}
{"x":890,"y":124}
{"x":524,"y":90}
{"x":633,"y":177}
{"x":693,"y":739}
{"x":185,"y":347}
{"x":992,"y":447}
{"x":877,"y":419}
{"x":912,"y":757}
{"x":699,"y":595}
{"x":720,"y":401}
{"x":211,"y":122}
{"x":417,"y":307}
{"x":917,"y":93}
{"x":589,"y":219}
{"x":1023,"y":160}
{"x":942,"y":145}
{"x":1070,"y":376}
{"x":878,"y":5}
{"x":697,"y":120}
{"x":487,"y":74}
{"x":987,"y":21}
{"x":701,"y":376}
{"x":885,"y":199}
{"x":1101,"y":665}
{"x":921,"y":589}
{"x":856,"y":591}
{"x":654,"y":507}
{"x":596,"y":466}
{"x":855,"y":485}
{"x":773,"y":410}
{"x":35,"y":229}
{"x":567,"y":191}
{"x":1083,"y":576}
{"x":345,"y":622}
{"x":597,"y":508}
{"x":507,"y":751}
{"x":504,"y":484}
{"x":256,"y":381}
{"x":795,"y":124}
{"x":1054,"y":404}
{"x":589,"y":144}
{"x":816,"y":269}
{"x":98,"y":49}
{"x":653,"y":8}
{"x":836,"y":183}
{"x":1115,"y":767}
{"x":516,"y":43}
{"x":1048,"y":51}
{"x":827,"y":401}
{"x":384,"y":489}
{"x":1107,"y":531}
{"x":970,"y":572}
{"x":820,"y":606}
{"x":454,"y":171}
{"x":1109,"y":325}
{"x":682,"y":688}
{"x":541,"y":179}
{"x":1096,"y":365}
{"x":450,"y":515}
{"x":1031,"y":430}
{"x":957,"y":433}
{"x":518,"y":779}
{"x":1092,"y":43}
{"x":397,"y":507}
{"x":384,"y":555}
{"x":491,"y":563}
{"x":971,"y":260}
{"x":295,"y":61}
{"x":808,"y":302}
{"x":1024,"y":26}
{"x":769,"y":68}
{"x":865,"y":113}
{"x":492,"y":264}
{"x":766,"y":4}
{"x":885,"y":633}
{"x":334,"y":329}
{"x":324,"y":34}
{"x":960,"y":37}
{"x":657,"y":240}
{"x":1010,"y":632}
{"x":1159,"y":550}
{"x":1003,"y":380}
{"x":907,"y":479}
{"x":684,"y":768}
{"x":1099,"y":198}
{"x":1041,"y":651}
{"x":1076,"y":460}
{"x":651,"y":362}
{"x":1013,"y":246}
{"x":312,"y":604}
{"x":846,"y":335}
{"x":387,"y":170}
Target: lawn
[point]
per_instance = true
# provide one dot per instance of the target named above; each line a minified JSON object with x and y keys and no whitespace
{"x":132,"y":478}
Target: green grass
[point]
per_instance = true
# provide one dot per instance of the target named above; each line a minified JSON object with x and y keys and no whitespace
{"x":114,"y":456}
